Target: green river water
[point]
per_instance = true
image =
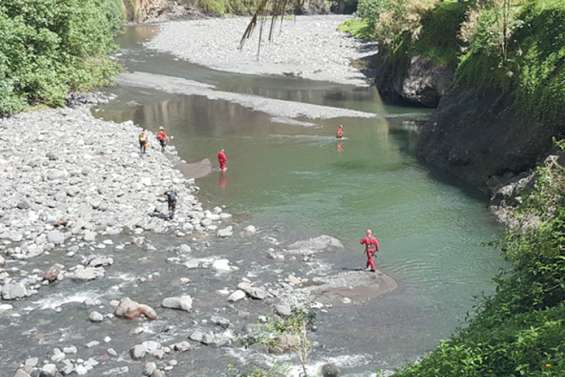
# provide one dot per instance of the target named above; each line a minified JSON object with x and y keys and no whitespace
{"x":296,"y":182}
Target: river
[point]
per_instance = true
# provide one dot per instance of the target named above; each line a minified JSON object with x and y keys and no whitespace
{"x":297,"y":182}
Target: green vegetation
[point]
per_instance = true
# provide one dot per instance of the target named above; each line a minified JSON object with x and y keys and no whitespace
{"x":515,"y":47}
{"x":519,"y":331}
{"x":287,"y":335}
{"x":50,"y":47}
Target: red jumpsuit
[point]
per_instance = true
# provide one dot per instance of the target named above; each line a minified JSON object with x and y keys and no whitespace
{"x":339,"y":133}
{"x":222,"y":160}
{"x":371,"y":247}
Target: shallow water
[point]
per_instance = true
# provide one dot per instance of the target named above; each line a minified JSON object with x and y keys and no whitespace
{"x":296,"y":182}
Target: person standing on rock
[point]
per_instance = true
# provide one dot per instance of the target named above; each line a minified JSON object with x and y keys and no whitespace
{"x":372,"y":245}
{"x":223,"y":160}
{"x":143,"y":141}
{"x":339,"y":132}
{"x":163,"y":138}
{"x":172,"y":202}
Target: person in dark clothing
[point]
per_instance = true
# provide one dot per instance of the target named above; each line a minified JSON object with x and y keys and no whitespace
{"x":172,"y":202}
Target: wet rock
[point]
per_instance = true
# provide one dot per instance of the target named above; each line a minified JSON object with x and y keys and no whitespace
{"x":158,"y":373}
{"x":98,"y":261}
{"x":253,"y":292}
{"x":49,"y":370}
{"x":220,"y":321}
{"x":249,"y":231}
{"x":13,"y":291}
{"x":112,"y":352}
{"x":180,"y":303}
{"x":70,"y":350}
{"x":129,"y":309}
{"x":56,"y":237}
{"x":137,"y":352}
{"x":86,"y":273}
{"x":225,"y":232}
{"x":149,"y":369}
{"x":181,"y":346}
{"x":314,"y":245}
{"x":89,"y":236}
{"x":31,"y":363}
{"x":237,"y":296}
{"x":184,"y":248}
{"x":5,"y":307}
{"x":54,"y":273}
{"x":95,"y":317}
{"x":21,"y":373}
{"x":223,"y":265}
{"x":58,"y":355}
{"x":283,"y":309}
{"x":92,"y":344}
{"x":330,"y":370}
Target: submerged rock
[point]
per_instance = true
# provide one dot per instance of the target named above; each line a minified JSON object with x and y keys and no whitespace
{"x":314,"y":245}
{"x":330,"y":370}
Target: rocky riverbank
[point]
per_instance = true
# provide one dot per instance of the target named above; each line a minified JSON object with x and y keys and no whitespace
{"x":309,"y":47}
{"x":91,"y":283}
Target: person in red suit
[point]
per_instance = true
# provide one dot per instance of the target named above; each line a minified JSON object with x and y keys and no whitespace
{"x":372,"y":245}
{"x":223,"y":160}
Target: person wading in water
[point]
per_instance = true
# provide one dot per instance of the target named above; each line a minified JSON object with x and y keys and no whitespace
{"x":143,"y":142}
{"x":339,"y":132}
{"x":372,"y":245}
{"x":223,"y":160}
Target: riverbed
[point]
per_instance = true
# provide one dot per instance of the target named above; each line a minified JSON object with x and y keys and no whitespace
{"x":297,"y":181}
{"x":292,"y":180}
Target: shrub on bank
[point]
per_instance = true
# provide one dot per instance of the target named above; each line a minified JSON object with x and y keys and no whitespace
{"x":49,"y":47}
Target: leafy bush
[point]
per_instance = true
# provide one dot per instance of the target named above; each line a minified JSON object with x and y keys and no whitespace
{"x":49,"y":47}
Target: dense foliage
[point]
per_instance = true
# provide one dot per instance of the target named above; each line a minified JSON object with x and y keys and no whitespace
{"x":519,"y":331}
{"x":49,"y":47}
{"x":515,"y":47}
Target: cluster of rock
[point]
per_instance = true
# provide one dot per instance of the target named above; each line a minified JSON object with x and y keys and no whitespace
{"x":68,"y":179}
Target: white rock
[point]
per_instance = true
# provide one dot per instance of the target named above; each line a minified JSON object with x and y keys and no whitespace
{"x":225,"y":232}
{"x":180,"y":303}
{"x":236,"y":296}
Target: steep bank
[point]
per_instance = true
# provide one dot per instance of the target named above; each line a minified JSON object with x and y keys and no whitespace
{"x":498,"y":105}
{"x":413,"y":72}
{"x":500,"y":116}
